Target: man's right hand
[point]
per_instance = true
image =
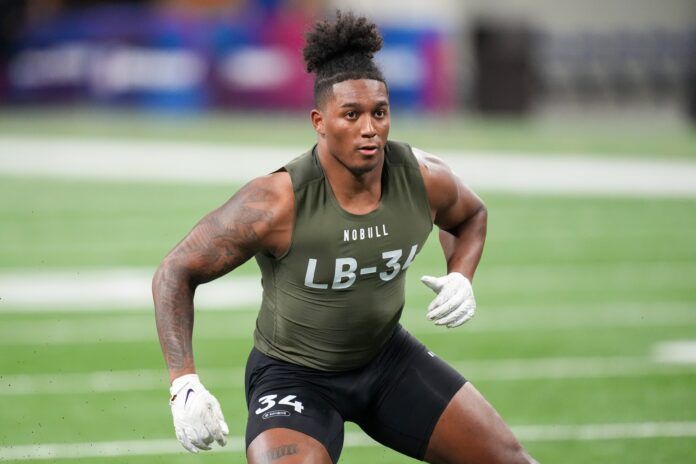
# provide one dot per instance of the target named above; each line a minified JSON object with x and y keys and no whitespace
{"x":197,"y":415}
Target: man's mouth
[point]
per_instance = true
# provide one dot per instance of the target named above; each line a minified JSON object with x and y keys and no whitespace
{"x":368,"y":149}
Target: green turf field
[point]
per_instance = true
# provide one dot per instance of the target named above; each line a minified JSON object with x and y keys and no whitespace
{"x":574,"y":296}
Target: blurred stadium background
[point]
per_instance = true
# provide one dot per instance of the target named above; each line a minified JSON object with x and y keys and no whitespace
{"x":122,"y":123}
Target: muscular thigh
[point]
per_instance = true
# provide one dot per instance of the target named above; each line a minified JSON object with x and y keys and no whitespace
{"x":471,"y":431}
{"x":406,"y":412}
{"x":289,"y":445}
{"x":289,"y":414}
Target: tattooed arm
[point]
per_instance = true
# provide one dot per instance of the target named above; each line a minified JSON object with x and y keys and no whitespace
{"x":258,"y":217}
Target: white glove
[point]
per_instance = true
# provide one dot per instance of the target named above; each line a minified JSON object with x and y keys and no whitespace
{"x":454,"y":303}
{"x":197,"y":415}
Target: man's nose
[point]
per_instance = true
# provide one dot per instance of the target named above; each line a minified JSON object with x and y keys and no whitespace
{"x":367,"y":128}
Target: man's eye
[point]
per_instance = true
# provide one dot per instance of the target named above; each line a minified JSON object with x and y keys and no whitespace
{"x":380,"y":113}
{"x":351,"y":114}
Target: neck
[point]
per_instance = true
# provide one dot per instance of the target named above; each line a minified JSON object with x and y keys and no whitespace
{"x":358,"y":193}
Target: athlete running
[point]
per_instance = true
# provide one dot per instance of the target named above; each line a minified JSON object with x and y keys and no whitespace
{"x":334,"y":232}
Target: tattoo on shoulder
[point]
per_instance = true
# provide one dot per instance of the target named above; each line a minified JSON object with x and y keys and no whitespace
{"x":274,"y":454}
{"x":227,"y":237}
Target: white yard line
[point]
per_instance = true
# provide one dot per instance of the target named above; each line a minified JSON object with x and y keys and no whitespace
{"x":108,"y":381}
{"x":105,"y":381}
{"x":129,"y":160}
{"x":118,"y":288}
{"x":567,"y":368}
{"x":525,"y":433}
{"x":676,"y":351}
{"x":105,"y":449}
{"x":636,"y":430}
{"x":493,"y":370}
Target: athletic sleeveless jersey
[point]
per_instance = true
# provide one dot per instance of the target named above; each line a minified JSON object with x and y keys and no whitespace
{"x":334,"y":298}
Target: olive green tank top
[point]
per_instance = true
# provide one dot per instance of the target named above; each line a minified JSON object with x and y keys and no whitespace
{"x":334,"y":298}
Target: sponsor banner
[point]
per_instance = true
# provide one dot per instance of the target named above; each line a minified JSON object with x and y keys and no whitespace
{"x":130,"y":55}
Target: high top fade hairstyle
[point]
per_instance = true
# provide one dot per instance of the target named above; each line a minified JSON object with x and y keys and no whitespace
{"x":342,"y":50}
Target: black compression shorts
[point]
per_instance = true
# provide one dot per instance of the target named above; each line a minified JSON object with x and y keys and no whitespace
{"x":397,"y":398}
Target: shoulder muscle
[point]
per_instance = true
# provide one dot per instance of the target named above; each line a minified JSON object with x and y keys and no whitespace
{"x":231,"y":234}
{"x":451,"y":202}
{"x":263,"y":207}
{"x":440,"y":181}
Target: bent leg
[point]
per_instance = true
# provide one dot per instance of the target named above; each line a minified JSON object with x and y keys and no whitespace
{"x":288,"y":447}
{"x":291,"y":415}
{"x":471,"y":431}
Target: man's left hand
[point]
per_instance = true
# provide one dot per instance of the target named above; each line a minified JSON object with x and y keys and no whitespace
{"x":454,"y":303}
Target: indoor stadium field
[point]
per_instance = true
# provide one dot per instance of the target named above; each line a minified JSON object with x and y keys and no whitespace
{"x":584,"y":338}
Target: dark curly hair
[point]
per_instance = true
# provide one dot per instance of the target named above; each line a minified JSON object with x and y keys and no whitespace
{"x":342,"y":50}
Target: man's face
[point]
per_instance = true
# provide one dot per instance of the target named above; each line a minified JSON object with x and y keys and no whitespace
{"x":354,"y":123}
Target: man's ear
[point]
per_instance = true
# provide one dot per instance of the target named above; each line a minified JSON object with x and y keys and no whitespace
{"x":318,"y":121}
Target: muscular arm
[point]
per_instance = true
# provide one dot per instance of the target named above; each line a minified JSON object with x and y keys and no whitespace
{"x":458,"y":212}
{"x":254,"y":219}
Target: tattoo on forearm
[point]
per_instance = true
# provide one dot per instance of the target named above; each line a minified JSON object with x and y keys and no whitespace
{"x":221,"y":241}
{"x":174,"y":318}
{"x":274,"y":454}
